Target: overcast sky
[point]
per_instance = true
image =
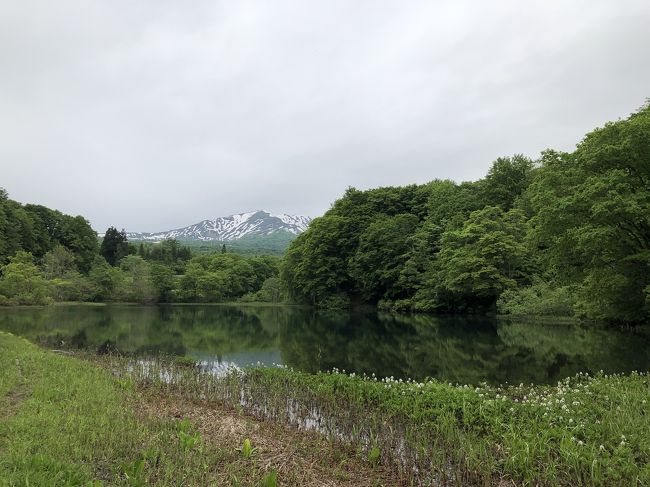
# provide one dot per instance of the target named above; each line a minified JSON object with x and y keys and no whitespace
{"x":156,"y":114}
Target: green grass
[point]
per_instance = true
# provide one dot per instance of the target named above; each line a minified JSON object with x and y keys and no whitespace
{"x":583,"y":431}
{"x":66,"y":422}
{"x":69,"y":422}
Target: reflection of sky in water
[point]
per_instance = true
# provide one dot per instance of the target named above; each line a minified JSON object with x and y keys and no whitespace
{"x":241,"y":359}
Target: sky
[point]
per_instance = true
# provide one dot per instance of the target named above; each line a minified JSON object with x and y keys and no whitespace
{"x":156,"y":114}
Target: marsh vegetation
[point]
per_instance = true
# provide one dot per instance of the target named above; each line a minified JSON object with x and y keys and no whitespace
{"x":584,"y":430}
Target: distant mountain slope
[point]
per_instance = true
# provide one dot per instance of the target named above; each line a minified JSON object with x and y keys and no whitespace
{"x":273,"y":244}
{"x":230,"y":228}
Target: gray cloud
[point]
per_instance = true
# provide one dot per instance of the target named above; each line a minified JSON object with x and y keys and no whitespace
{"x":156,"y":114}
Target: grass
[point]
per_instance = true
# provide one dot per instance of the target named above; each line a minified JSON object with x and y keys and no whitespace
{"x":583,"y":431}
{"x":68,"y":422}
{"x":73,"y":424}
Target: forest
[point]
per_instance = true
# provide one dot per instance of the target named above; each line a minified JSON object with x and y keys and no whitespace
{"x":567,"y":234}
{"x":46,"y":256}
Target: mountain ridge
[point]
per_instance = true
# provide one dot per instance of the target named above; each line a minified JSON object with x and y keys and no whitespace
{"x":230,"y":228}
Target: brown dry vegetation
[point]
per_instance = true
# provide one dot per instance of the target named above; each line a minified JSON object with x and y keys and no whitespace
{"x":301,"y":458}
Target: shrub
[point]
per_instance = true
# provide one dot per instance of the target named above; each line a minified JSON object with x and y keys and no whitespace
{"x":539,"y":299}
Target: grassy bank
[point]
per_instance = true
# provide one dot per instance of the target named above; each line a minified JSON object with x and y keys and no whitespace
{"x":583,"y":431}
{"x":68,"y":422}
{"x":71,"y":422}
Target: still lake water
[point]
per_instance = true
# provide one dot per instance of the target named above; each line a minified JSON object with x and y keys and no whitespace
{"x":452,"y":349}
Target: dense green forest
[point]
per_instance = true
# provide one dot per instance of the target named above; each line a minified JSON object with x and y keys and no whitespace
{"x":568,"y":234}
{"x":47,"y":256}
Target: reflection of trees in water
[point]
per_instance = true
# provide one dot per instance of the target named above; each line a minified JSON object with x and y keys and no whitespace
{"x":562,"y":350}
{"x":465,"y":350}
{"x":384,"y":344}
{"x":145,"y":330}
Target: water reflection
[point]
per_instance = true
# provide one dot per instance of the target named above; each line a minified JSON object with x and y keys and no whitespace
{"x":464,"y":350}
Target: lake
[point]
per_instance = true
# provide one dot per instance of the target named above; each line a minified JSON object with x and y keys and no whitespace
{"x":452,"y":349}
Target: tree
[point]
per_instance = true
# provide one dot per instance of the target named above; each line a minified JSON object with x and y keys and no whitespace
{"x":16,"y":228}
{"x":114,"y":246}
{"x":22,"y":281}
{"x":103,"y":280}
{"x":37,"y":230}
{"x":422,"y":250}
{"x":162,"y":278}
{"x":591,"y":220}
{"x":506,"y":180}
{"x":271,"y":290}
{"x":380,"y":256}
{"x":4,"y":226}
{"x":450,"y":202}
{"x":136,"y":284}
{"x":315,"y":265}
{"x":188,"y":289}
{"x":45,"y":223}
{"x":482,"y":259}
{"x":217,"y":276}
{"x":76,"y":234}
{"x":58,"y":263}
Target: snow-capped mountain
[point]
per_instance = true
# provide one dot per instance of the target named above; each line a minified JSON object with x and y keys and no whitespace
{"x":234,"y":227}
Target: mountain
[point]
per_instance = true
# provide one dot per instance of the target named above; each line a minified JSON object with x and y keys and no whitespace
{"x":230,"y":228}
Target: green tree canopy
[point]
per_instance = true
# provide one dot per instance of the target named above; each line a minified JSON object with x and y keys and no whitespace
{"x":482,"y":259}
{"x":380,"y":256}
{"x":591,"y":218}
{"x":22,"y":281}
{"x":114,"y":246}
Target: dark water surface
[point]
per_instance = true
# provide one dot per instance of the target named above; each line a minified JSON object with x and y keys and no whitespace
{"x":464,"y":350}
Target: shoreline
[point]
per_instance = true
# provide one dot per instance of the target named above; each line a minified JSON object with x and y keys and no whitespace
{"x":544,"y":318}
{"x":583,"y":431}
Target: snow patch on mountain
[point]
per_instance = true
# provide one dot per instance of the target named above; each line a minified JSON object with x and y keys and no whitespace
{"x":231,"y":227}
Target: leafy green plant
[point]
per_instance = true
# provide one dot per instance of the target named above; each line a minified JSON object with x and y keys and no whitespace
{"x":127,"y":384}
{"x":270,"y":479}
{"x":374,"y":454}
{"x":247,"y":449}
{"x":186,"y":437}
{"x":134,"y":472}
{"x":184,"y":425}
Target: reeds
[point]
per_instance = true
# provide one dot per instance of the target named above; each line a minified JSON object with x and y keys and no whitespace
{"x":583,"y":431}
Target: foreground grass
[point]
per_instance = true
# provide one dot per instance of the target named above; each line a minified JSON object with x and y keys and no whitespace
{"x":68,"y":422}
{"x":583,"y":431}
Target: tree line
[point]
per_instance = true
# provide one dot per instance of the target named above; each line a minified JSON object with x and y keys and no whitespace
{"x":567,"y":234}
{"x":46,"y":256}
